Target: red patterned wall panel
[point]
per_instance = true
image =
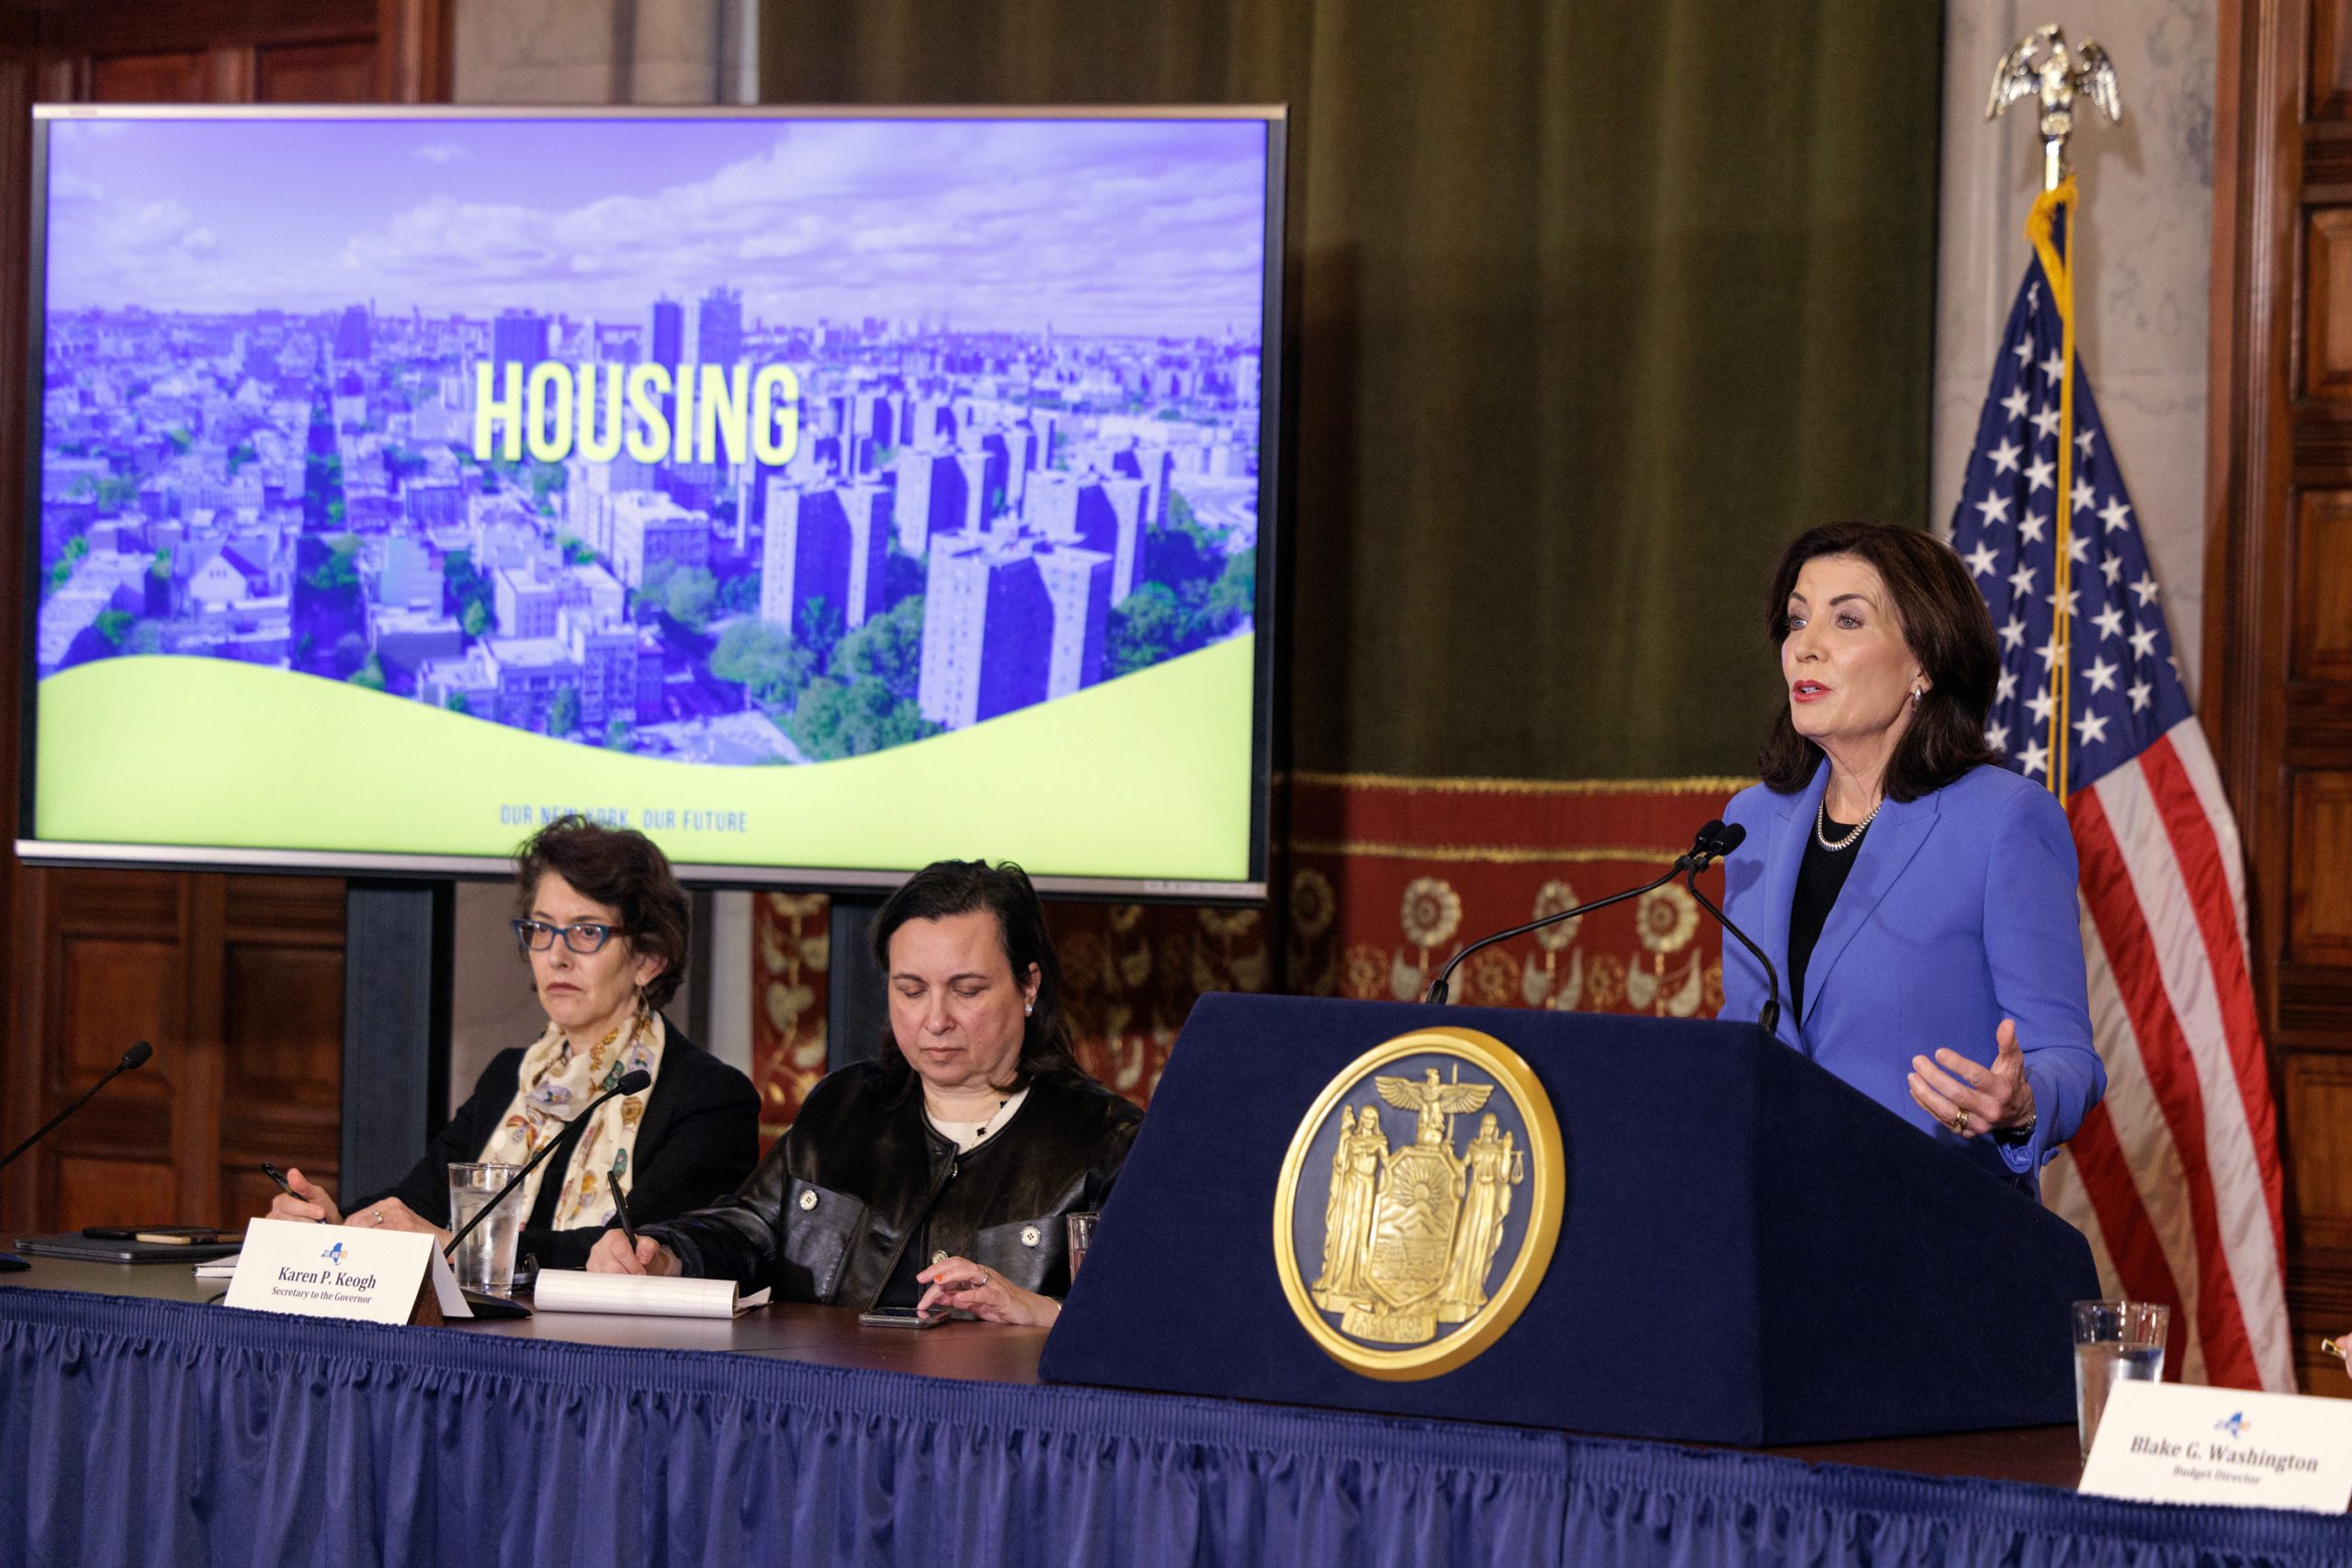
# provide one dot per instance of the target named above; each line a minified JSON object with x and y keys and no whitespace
{"x":1384,"y":880}
{"x":1391,"y":877}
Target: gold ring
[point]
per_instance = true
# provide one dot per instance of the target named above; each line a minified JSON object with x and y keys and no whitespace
{"x":378,"y":1214}
{"x":1960,"y":1122}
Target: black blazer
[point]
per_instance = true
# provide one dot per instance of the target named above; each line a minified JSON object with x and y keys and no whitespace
{"x":700,"y":1139}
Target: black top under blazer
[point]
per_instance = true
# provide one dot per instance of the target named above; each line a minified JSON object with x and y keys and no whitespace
{"x":700,"y":1139}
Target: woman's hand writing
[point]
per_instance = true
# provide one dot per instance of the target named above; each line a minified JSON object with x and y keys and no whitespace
{"x":614,"y":1255}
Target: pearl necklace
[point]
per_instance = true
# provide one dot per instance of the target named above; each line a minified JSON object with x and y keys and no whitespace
{"x":1821,"y":826}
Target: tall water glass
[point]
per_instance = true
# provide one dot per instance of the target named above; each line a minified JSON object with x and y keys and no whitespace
{"x":2114,"y":1342}
{"x":1081,"y":1237}
{"x":485,"y":1260}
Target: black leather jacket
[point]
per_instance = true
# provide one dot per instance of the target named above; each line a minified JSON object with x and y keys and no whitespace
{"x":828,"y":1213}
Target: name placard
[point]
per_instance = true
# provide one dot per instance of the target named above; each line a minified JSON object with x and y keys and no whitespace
{"x":341,"y":1271}
{"x":2173,"y":1443}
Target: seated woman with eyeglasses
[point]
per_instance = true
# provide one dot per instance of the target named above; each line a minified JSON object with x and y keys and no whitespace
{"x":603,"y":924}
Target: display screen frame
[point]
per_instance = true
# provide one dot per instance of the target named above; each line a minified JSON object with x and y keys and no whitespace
{"x":1271,"y":521}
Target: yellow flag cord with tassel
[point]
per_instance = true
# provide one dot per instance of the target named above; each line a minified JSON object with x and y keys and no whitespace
{"x":2040,"y":227}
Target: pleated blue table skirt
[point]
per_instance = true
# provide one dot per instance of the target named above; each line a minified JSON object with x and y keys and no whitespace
{"x":155,"y":1432}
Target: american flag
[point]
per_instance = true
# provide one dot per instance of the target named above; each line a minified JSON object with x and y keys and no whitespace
{"x":2174,"y":1176}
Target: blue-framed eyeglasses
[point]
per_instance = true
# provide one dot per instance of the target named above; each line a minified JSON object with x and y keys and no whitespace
{"x":583,"y":936}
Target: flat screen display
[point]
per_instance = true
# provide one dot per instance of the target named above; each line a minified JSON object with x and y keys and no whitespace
{"x":822,"y":493}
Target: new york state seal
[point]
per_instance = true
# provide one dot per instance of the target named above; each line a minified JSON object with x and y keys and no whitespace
{"x":1419,"y":1203}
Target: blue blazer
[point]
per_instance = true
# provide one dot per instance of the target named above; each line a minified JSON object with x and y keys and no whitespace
{"x":1959,"y":911}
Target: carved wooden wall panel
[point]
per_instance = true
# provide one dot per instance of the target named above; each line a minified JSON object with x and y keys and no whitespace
{"x":315,"y":74}
{"x":2327,"y":332}
{"x":237,"y":983}
{"x":108,"y":1191}
{"x":2323,"y":641}
{"x":2278,"y":686}
{"x":281,"y":1034}
{"x":2330,"y":52}
{"x":2319,"y":900}
{"x":2319,"y":1100}
{"x":184,"y":78}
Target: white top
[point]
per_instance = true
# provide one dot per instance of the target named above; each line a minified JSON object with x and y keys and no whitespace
{"x":970,"y":1135}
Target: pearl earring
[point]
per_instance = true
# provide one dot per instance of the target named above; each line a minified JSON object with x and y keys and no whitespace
{"x":1917,"y":693}
{"x":1028,"y":1009}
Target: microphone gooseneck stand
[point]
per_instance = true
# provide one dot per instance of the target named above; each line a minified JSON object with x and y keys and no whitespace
{"x":484,"y":1305}
{"x":1770,"y":1017}
{"x":134,"y":1058}
{"x":1700,"y":852}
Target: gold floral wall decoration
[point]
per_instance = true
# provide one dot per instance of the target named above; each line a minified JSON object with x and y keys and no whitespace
{"x":791,"y":958}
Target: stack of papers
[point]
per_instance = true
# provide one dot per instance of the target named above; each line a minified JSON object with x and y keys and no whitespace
{"x":217,"y":1268}
{"x":644,"y":1295}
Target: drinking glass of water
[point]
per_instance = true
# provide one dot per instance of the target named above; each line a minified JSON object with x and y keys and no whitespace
{"x":485,"y":1260}
{"x":2114,"y":1342}
{"x":1082,"y":1239}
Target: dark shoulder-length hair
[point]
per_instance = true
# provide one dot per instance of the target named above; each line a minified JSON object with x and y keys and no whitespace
{"x":949,"y":887}
{"x":623,"y":868}
{"x":1945,"y":625}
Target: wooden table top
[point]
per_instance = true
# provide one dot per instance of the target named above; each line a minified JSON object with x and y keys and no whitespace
{"x":990,"y":1352}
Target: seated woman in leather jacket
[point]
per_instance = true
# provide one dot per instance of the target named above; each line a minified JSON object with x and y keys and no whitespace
{"x":938,"y":1177}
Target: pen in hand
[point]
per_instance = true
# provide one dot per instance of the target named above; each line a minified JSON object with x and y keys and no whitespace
{"x":620,"y":1198}
{"x":277,"y":1176}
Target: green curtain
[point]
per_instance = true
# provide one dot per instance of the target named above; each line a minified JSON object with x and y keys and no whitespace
{"x":1593,"y":306}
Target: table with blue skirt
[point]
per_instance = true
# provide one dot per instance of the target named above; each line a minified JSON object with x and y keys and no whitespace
{"x":143,"y":1424}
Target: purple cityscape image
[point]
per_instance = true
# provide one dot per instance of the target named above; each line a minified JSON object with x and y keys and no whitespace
{"x":1027,"y":357}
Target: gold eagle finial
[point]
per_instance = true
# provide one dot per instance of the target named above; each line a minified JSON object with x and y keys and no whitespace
{"x":2041,"y":66}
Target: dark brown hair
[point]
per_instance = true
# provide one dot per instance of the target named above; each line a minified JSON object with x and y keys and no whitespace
{"x":623,"y":868}
{"x":949,"y":887}
{"x":1943,"y":622}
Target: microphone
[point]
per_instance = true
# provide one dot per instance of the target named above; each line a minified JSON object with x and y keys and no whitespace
{"x":1727,"y":839}
{"x":134,"y":1058}
{"x":1692,"y":859}
{"x":636,"y":1082}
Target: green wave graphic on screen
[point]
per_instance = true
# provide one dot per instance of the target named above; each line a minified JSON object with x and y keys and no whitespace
{"x":1145,"y":777}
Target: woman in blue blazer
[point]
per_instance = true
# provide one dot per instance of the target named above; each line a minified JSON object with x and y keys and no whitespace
{"x":1917,"y":897}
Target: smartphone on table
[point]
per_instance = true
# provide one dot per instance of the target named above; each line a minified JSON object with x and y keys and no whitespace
{"x":901,"y":1317}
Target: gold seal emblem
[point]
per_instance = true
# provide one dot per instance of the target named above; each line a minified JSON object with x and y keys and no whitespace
{"x":1404,"y":1259}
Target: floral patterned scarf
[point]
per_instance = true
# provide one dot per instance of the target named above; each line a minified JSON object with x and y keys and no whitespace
{"x":555,"y":1083}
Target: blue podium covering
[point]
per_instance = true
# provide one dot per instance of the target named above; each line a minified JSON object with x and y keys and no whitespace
{"x":157,"y":1433}
{"x":1752,"y":1251}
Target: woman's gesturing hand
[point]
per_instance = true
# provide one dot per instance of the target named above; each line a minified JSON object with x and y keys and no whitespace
{"x":1970,"y":1100}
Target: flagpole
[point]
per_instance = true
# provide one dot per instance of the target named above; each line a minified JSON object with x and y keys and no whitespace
{"x":2041,"y":66}
{"x":2056,"y":203}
